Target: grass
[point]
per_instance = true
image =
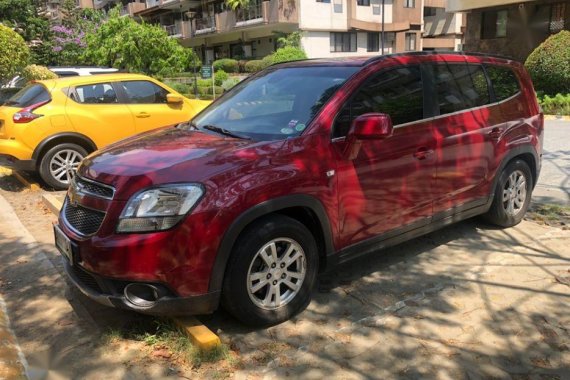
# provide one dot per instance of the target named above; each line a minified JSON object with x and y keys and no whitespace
{"x":551,"y":211}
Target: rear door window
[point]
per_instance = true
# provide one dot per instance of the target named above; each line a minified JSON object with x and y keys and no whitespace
{"x":144,"y":92}
{"x":29,"y":95}
{"x":397,"y":92}
{"x":98,"y":93}
{"x":504,"y":81}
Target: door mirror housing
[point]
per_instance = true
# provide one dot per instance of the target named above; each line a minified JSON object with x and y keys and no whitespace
{"x":174,"y":99}
{"x":371,"y":126}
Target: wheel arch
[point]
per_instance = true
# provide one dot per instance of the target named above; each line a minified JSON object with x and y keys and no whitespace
{"x":63,"y":138}
{"x":305,"y":208}
{"x":528,"y":154}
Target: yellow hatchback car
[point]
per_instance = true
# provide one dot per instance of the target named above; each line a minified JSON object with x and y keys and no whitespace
{"x":51,"y":125}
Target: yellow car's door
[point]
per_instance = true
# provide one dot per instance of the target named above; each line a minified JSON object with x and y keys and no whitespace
{"x":96,"y":112}
{"x":148,"y":104}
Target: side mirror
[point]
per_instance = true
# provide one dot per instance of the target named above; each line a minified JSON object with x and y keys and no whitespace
{"x":371,"y":126}
{"x":174,"y":99}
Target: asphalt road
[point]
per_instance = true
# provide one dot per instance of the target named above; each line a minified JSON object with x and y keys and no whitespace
{"x":554,"y":181}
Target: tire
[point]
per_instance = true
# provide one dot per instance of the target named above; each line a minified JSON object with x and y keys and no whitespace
{"x":58,"y":165}
{"x":259,"y":307}
{"x":508,"y":207}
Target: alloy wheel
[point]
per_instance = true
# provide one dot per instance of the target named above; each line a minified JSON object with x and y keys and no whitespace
{"x":64,"y":164}
{"x":514,"y":193}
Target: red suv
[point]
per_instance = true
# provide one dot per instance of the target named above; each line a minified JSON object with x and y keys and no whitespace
{"x":302,"y":167}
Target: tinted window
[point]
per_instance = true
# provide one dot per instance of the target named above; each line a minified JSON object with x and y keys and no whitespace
{"x":275,"y":104}
{"x":397,"y":92}
{"x":144,"y":92}
{"x":504,"y":82}
{"x":29,"y":95}
{"x":99,"y":93}
{"x":460,"y":87}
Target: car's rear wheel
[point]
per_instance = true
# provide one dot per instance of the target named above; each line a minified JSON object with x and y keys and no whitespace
{"x":271,"y":271}
{"x":59,"y":164}
{"x":512,"y":195}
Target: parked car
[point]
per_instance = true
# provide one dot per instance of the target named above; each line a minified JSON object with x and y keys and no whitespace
{"x":71,"y":71}
{"x":51,"y":125}
{"x":294,"y":171}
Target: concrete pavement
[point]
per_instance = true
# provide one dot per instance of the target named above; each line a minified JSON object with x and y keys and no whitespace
{"x":554,"y":182}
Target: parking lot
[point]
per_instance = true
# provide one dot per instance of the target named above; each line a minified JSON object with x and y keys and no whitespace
{"x":469,"y":301}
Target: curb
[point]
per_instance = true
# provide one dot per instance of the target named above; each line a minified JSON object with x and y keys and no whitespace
{"x":27,"y":184}
{"x":556,"y":117}
{"x":201,"y":336}
{"x":52,"y":203}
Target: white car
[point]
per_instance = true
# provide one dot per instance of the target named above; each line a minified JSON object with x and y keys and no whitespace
{"x":81,"y":71}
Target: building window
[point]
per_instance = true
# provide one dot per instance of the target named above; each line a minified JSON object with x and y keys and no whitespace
{"x":557,"y":12}
{"x":409,"y":3}
{"x":343,"y":42}
{"x":363,"y":2}
{"x":410,"y":41}
{"x":324,"y":1}
{"x":430,"y":11}
{"x":373,"y":42}
{"x":494,"y":24}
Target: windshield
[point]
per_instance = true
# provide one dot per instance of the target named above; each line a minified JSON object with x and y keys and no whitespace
{"x":29,"y":95}
{"x":276,"y":104}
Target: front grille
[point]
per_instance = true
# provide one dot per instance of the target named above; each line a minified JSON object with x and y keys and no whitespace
{"x":93,"y":188}
{"x":86,"y":279}
{"x":83,"y":220}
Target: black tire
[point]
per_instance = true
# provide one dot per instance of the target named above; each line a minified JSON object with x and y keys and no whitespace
{"x":498,"y":214}
{"x":236,"y":297}
{"x":46,"y":169}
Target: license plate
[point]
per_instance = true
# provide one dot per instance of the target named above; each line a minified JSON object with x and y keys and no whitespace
{"x":63,"y":243}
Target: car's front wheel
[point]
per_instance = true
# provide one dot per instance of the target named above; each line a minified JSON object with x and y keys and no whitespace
{"x":59,"y":164}
{"x":271,"y":271}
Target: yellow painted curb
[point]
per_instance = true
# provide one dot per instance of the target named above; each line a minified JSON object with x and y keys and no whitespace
{"x":51,"y":202}
{"x":5,"y":171}
{"x":554,"y":117}
{"x":200,"y":335}
{"x":29,"y":185}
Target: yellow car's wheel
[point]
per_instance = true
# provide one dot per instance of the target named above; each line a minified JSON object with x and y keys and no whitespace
{"x":59,"y":164}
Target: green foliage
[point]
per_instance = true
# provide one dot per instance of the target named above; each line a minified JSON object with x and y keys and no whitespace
{"x":182,"y":88}
{"x":229,"y":83}
{"x":14,"y":53}
{"x":36,"y":72}
{"x":254,"y":66}
{"x":123,"y":43}
{"x":220,"y":77}
{"x":204,"y":82}
{"x":556,"y":105}
{"x":226,"y":64}
{"x":290,"y":40}
{"x":549,"y":64}
{"x":287,"y":54}
{"x":22,"y":15}
{"x":234,"y":4}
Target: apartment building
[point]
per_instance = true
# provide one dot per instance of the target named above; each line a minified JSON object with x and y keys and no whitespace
{"x":513,"y":27}
{"x":331,"y":28}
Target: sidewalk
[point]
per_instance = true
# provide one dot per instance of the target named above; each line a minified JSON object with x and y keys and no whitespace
{"x":11,"y":359}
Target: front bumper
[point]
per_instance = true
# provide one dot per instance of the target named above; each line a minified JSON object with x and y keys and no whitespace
{"x":111,"y":293}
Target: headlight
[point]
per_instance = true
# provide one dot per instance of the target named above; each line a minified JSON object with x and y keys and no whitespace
{"x":159,"y":208}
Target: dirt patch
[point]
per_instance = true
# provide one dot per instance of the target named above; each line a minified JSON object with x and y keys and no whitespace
{"x":549,"y":214}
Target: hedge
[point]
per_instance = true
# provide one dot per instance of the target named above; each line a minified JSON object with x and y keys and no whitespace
{"x":556,"y":105}
{"x":549,"y":64}
{"x":226,"y":64}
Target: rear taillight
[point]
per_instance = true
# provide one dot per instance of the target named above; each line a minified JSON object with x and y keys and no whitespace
{"x":25,"y":115}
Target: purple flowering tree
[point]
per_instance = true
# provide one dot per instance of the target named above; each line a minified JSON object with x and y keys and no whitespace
{"x":68,"y":44}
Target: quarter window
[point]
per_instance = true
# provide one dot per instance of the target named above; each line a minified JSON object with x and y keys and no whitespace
{"x":144,"y":92}
{"x":397,"y":92}
{"x":98,"y":93}
{"x":504,"y":82}
{"x":343,"y":42}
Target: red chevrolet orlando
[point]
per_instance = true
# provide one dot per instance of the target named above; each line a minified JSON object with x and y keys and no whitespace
{"x":300,"y":168}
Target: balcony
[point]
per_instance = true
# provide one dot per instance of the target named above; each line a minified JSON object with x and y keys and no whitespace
{"x":152,"y":3}
{"x":204,"y":25}
{"x":251,"y":15}
{"x":131,"y":8}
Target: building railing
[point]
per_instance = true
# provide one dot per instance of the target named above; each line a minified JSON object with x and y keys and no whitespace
{"x":204,"y":25}
{"x":249,"y":15}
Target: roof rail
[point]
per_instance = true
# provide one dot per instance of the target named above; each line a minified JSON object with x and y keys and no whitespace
{"x":431,"y":52}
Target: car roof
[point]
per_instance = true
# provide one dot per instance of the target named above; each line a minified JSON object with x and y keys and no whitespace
{"x":99,"y":78}
{"x":364,"y":61}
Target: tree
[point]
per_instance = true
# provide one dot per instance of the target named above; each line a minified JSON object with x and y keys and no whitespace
{"x":123,"y":43}
{"x":14,"y":53}
{"x":290,"y":40}
{"x":234,"y":4}
{"x":549,"y":64}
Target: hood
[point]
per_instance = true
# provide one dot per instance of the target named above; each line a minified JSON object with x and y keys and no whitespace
{"x":170,"y":155}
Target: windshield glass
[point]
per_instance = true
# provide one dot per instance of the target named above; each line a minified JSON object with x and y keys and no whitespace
{"x":276,"y":104}
{"x":29,"y":95}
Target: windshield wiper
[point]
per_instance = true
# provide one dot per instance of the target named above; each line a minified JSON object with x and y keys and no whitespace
{"x":224,"y":132}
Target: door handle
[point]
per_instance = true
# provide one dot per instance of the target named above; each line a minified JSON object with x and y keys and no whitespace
{"x":496,"y":133}
{"x":423,"y":153}
{"x":143,"y":115}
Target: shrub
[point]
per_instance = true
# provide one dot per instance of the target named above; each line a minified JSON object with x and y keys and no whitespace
{"x":204,"y":82}
{"x":220,"y":77}
{"x":36,"y":72}
{"x":241,"y":65}
{"x":14,"y":53}
{"x":219,"y":90}
{"x":178,"y":87}
{"x":267,"y":61}
{"x":287,"y":54}
{"x":549,"y":64}
{"x":254,"y":66}
{"x":557,"y":105}
{"x":229,"y":83}
{"x":226,"y":64}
